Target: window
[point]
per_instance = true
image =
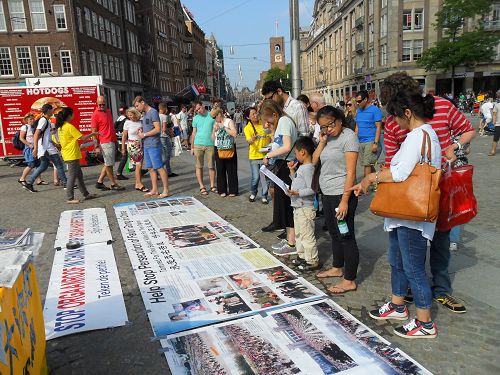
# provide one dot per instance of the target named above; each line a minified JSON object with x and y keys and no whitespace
{"x":122,"y":69}
{"x":106,"y":66}
{"x":83,"y":62}
{"x":95,"y":25}
{"x":383,"y":3}
{"x":108,"y":31}
{"x":383,"y":54}
{"x":418,"y":47}
{"x":37,"y":11}
{"x":407,"y":20}
{"x":17,"y":17}
{"x":88,"y":22}
{"x":118,"y":37}
{"x":370,"y":32}
{"x":370,"y":58}
{"x":406,"y":50}
{"x":99,"y":63}
{"x":3,"y":24}
{"x":113,"y":34}
{"x":383,"y":25}
{"x":92,"y":62}
{"x":116,"y":7}
{"x":79,"y":20}
{"x":24,"y":65}
{"x":117,"y":69}
{"x":5,"y":62}
{"x":66,"y":66}
{"x":101,"y":28}
{"x":111,"y":62}
{"x":60,"y":15}
{"x":418,"y":19}
{"x":370,"y":7}
{"x":44,"y":60}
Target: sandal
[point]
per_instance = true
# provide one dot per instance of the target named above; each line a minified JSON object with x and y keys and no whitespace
{"x":150,"y":194}
{"x":144,"y":189}
{"x":492,"y":154}
{"x":203,"y":191}
{"x":22,"y":182}
{"x":42,"y":183}
{"x":116,"y":187}
{"x":213,"y":189}
{"x":163,"y":195}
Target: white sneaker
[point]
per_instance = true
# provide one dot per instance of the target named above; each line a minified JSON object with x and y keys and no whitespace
{"x":453,"y":246}
{"x":285,"y":250}
{"x":251,"y":198}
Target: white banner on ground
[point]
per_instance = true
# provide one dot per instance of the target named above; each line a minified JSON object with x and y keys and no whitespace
{"x":84,"y":292}
{"x":194,"y":269}
{"x":314,"y":338}
{"x":86,"y":226}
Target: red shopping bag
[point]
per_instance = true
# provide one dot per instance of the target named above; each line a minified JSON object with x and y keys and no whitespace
{"x":458,"y":204}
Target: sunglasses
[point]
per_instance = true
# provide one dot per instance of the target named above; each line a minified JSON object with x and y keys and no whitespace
{"x":270,"y":96}
{"x":359,"y":101}
{"x":349,"y":104}
{"x":101,"y":105}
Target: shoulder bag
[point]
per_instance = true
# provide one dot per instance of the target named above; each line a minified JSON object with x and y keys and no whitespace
{"x":416,"y":198}
{"x":225,"y":145}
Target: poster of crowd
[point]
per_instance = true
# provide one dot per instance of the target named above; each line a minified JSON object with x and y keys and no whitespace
{"x":84,"y":291}
{"x":315,"y":338}
{"x":86,"y":226}
{"x":201,"y":273}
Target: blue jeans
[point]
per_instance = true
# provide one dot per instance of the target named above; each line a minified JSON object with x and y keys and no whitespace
{"x":254,"y":180}
{"x":44,"y":164}
{"x":166,"y":146}
{"x":439,"y":261}
{"x":455,"y":234}
{"x":407,"y":252}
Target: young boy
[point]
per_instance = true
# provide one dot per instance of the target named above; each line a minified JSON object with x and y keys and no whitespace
{"x":302,"y":199}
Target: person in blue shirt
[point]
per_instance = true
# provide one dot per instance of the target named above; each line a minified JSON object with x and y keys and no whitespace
{"x":368,"y":128}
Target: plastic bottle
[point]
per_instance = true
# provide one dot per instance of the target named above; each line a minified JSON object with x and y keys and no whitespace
{"x":343,"y":228}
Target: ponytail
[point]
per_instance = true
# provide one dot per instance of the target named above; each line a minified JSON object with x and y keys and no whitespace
{"x":63,"y":116}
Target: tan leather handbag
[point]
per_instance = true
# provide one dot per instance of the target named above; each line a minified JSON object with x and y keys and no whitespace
{"x":416,"y":198}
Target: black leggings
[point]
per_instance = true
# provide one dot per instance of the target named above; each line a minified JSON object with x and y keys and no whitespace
{"x":282,"y":206}
{"x":227,"y":174}
{"x":345,"y":250}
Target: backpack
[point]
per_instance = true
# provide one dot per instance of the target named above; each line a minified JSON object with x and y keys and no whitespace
{"x":16,"y":141}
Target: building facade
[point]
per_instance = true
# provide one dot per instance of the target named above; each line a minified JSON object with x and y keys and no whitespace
{"x":354,"y":44}
{"x":196,"y":70}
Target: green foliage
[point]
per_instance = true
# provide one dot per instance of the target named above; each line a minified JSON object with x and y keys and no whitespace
{"x":457,"y":48}
{"x":284,"y":75}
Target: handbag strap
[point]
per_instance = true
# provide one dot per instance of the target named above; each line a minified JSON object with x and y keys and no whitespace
{"x":426,"y":141}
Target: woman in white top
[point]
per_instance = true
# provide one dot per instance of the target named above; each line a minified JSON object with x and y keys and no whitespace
{"x":133,"y":144}
{"x":227,"y":168}
{"x":26,"y":136}
{"x":408,"y":239}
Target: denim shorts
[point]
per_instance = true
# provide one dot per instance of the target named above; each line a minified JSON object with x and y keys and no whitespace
{"x":28,"y":157}
{"x":152,"y":157}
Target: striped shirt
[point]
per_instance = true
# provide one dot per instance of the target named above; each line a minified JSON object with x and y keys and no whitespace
{"x":447,"y":119}
{"x":298,"y":112}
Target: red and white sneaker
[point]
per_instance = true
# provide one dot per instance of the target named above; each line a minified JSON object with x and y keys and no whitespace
{"x":416,"y":330}
{"x":389,"y":311}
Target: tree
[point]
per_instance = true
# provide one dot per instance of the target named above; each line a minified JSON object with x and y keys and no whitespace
{"x":456,"y":47}
{"x":282,"y":75}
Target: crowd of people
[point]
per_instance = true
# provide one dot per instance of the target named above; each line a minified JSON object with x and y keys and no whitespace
{"x":313,"y":148}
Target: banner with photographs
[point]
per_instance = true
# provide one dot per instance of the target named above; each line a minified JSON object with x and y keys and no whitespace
{"x":194,"y":269}
{"x":86,"y":226}
{"x":314,"y":338}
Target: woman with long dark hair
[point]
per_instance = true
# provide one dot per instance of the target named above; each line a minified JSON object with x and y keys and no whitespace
{"x":71,"y":154}
{"x":338,"y":152}
{"x":408,"y":239}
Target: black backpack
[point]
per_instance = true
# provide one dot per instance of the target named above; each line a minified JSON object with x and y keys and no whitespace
{"x":16,"y":141}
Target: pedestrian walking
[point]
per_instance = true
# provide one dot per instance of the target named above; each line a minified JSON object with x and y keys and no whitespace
{"x":105,"y":143}
{"x":26,"y":134}
{"x":238,"y":120}
{"x":68,"y":137}
{"x":119,"y":123}
{"x":45,"y":150}
{"x":150,"y":134}
{"x":132,"y":145}
{"x":496,"y":135}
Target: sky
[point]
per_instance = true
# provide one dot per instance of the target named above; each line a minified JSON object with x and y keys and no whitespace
{"x":238,"y":23}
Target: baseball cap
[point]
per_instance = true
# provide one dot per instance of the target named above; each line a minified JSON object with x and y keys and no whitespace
{"x":46,"y":108}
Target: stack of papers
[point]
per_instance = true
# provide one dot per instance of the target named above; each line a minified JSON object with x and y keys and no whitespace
{"x":17,"y":246}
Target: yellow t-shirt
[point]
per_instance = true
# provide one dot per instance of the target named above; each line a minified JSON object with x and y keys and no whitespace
{"x":263,"y":139}
{"x":68,"y":138}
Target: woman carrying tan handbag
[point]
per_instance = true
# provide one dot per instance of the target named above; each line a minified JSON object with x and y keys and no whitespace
{"x":408,"y":238}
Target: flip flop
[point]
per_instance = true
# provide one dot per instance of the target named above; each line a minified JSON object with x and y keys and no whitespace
{"x":22,"y":182}
{"x":213,"y":189}
{"x":162,"y":195}
{"x":42,"y":183}
{"x":144,"y":189}
{"x":491,"y":154}
{"x":150,"y":194}
{"x":340,"y":291}
{"x":326,"y":277}
{"x":203,"y":191}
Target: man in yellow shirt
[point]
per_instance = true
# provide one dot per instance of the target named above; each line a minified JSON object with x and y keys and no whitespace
{"x":258,"y":139}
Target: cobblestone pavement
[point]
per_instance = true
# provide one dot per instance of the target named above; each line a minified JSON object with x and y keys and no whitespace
{"x":467,"y":343}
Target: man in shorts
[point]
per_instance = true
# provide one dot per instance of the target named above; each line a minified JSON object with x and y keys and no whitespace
{"x":183,"y":122}
{"x":368,"y":129}
{"x":150,"y":135}
{"x":203,"y":146}
{"x":496,"y":122}
{"x":105,"y":143}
